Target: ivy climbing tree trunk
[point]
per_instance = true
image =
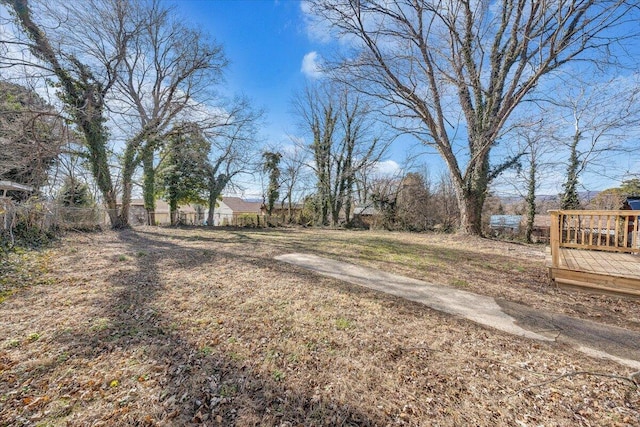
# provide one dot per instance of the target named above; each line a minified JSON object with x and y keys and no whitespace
{"x":148,"y":185}
{"x":129,"y":164}
{"x":83,"y":96}
{"x":570,"y":199}
{"x":216,"y":185}
{"x":346,"y":139}
{"x":530,"y":198}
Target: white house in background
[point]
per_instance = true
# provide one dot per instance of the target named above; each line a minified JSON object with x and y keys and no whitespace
{"x":187,"y":214}
{"x":229,"y":209}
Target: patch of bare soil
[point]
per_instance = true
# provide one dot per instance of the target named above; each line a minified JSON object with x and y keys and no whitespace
{"x":202,"y":327}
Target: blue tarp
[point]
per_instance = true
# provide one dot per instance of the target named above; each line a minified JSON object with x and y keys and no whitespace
{"x":634,"y":203}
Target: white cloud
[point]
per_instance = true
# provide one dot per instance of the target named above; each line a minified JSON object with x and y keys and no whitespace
{"x":387,"y":168}
{"x":317,"y":29}
{"x":311,"y":65}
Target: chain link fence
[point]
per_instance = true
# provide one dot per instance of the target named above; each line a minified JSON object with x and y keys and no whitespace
{"x":31,"y":217}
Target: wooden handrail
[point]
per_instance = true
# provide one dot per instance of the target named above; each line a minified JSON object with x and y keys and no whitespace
{"x":601,"y":230}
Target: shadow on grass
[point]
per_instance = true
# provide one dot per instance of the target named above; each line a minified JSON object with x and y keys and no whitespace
{"x":198,"y":386}
{"x":424,"y":258}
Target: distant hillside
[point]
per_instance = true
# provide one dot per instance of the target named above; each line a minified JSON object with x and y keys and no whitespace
{"x":584,"y":197}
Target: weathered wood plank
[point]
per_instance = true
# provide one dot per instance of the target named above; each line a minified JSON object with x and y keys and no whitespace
{"x":591,"y":287}
{"x":625,"y":284}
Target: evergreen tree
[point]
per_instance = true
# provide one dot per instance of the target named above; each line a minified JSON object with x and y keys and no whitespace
{"x":182,"y":176}
{"x":630,"y":187}
{"x":570,"y":199}
{"x":271,"y":166}
{"x":75,"y":193}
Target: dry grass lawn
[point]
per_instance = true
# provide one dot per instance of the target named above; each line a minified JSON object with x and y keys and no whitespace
{"x":174,"y":327}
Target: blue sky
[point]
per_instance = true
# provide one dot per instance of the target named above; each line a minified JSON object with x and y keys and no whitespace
{"x":271,"y":54}
{"x":266,"y":42}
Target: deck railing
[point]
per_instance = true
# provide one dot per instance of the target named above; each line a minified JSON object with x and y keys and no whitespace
{"x":614,"y":231}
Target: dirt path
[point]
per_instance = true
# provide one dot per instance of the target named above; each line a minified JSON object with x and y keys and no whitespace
{"x":592,"y":338}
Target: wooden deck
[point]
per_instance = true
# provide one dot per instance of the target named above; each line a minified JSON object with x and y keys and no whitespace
{"x":603,"y":272}
{"x":596,"y":251}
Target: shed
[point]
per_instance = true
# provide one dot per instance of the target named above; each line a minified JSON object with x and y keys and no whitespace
{"x":365,"y":210}
{"x":13,"y":186}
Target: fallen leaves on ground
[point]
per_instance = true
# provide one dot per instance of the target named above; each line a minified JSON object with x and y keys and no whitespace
{"x":164,"y":327}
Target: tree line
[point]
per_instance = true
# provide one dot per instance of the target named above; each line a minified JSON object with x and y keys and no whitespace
{"x":497,"y":89}
{"x":137,"y":87}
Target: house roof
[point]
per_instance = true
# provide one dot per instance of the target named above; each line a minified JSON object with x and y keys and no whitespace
{"x":237,"y":205}
{"x":365,"y":210}
{"x":161,"y":206}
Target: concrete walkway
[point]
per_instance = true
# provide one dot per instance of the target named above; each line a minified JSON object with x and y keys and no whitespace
{"x":592,"y":338}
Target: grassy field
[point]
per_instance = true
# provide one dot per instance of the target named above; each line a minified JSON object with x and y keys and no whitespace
{"x":168,"y":327}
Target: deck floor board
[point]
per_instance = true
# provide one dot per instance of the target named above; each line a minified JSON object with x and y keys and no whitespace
{"x":611,"y":264}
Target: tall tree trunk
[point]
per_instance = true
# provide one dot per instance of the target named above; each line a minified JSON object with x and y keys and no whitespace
{"x":470,"y":207}
{"x":530,"y":199}
{"x":128,"y":168}
{"x":212,"y":206}
{"x":173,"y":210}
{"x":471,"y":192}
{"x":216,"y":185}
{"x":336,"y":207}
{"x":347,"y":206}
{"x":149,"y":189}
{"x":85,"y":97}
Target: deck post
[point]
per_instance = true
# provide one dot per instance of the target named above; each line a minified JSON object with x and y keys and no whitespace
{"x":554,"y":237}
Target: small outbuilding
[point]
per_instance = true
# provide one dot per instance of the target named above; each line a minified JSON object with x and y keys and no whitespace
{"x":505,"y":223}
{"x":13,"y":186}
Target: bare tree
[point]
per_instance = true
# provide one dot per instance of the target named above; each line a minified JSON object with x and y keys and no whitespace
{"x":82,"y":87}
{"x":383,"y":194}
{"x":168,"y":69}
{"x":594,"y":124}
{"x":535,"y":140}
{"x":134,"y":60}
{"x":414,"y":202}
{"x":293,"y":173}
{"x":233,"y":139}
{"x":345,"y":141}
{"x":452,"y":72}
